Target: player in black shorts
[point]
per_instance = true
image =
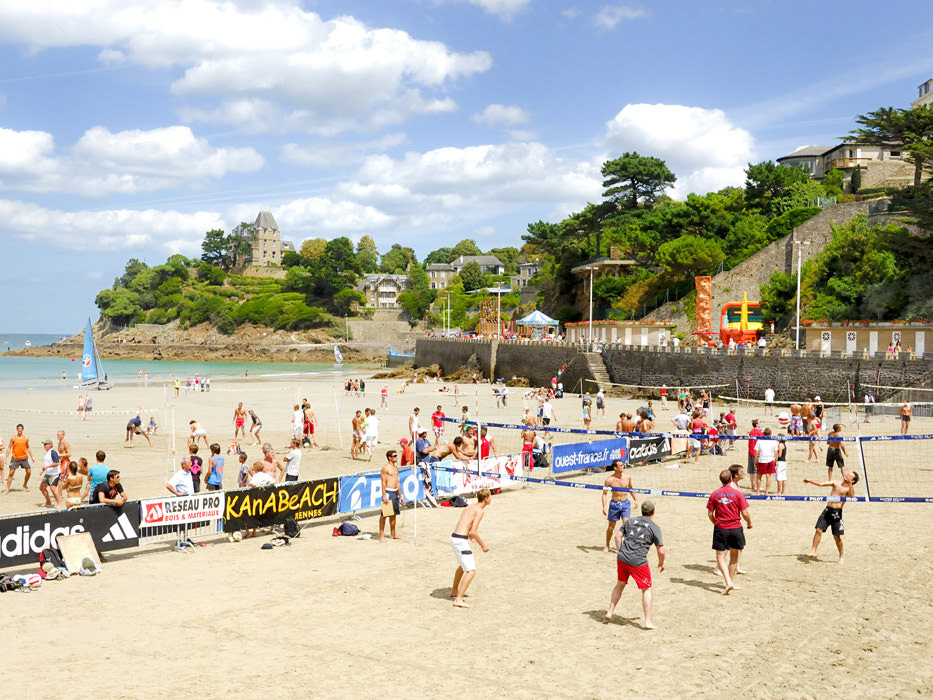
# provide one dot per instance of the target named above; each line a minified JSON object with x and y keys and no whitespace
{"x":835,"y":450}
{"x":831,"y":517}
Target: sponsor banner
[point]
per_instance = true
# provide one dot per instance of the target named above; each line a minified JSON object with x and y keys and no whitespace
{"x":467,"y":480}
{"x":270,"y":505}
{"x":364,"y":491}
{"x":184,"y":509}
{"x":653,"y":449}
{"x":584,"y":455}
{"x":23,"y":537}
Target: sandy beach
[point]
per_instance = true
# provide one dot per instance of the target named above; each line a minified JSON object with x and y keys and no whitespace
{"x":376,"y":618}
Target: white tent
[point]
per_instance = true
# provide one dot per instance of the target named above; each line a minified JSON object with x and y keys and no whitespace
{"x":536,"y":318}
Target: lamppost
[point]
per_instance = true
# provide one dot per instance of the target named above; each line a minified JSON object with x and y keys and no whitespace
{"x":799,"y":245}
{"x":498,"y":312}
{"x":448,"y":313}
{"x":590,"y":332}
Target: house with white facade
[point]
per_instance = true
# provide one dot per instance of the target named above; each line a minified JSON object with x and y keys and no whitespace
{"x":526,"y":272}
{"x":487,"y":263}
{"x":881,"y":166}
{"x":924,"y":94}
{"x":382,"y":291}
{"x":440,"y":274}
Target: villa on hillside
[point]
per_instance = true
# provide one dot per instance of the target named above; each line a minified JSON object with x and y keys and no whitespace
{"x":440,"y":274}
{"x":880,"y":165}
{"x":382,"y":291}
{"x":924,"y":94}
{"x":526,"y":272}
{"x":266,"y":241}
{"x":487,"y":263}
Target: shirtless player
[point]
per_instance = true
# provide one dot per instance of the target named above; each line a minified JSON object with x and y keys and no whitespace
{"x":835,"y":449}
{"x":466,"y":532}
{"x":391,"y":494}
{"x":831,"y":517}
{"x":618,"y":508}
{"x":239,"y":421}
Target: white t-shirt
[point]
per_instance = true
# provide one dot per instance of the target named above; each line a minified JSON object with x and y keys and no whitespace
{"x":682,"y":421}
{"x":769,"y":394}
{"x":299,"y":418}
{"x":51,"y":457}
{"x":292,"y":462}
{"x":547,"y":410}
{"x":413,"y":422}
{"x":766,"y":449}
{"x":372,"y":426}
{"x":261,"y":479}
{"x":182,"y":482}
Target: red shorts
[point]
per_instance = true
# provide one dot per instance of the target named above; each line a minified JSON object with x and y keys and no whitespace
{"x":766,"y":468}
{"x":309,"y":428}
{"x":641,"y":574}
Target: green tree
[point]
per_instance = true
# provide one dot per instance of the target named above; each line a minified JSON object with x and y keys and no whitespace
{"x":833,"y":180}
{"x":439,"y":256}
{"x":291,"y":259}
{"x":312,"y":249}
{"x":778,"y":298}
{"x":418,"y":296}
{"x":909,"y":129}
{"x":211,"y":275}
{"x":766,"y":181}
{"x":367,"y":254}
{"x":508,"y":256}
{"x":632,"y":178}
{"x":121,"y":305}
{"x":240,"y":246}
{"x":855,"y":183}
{"x":798,"y":195}
{"x":214,"y":249}
{"x":465,"y":247}
{"x":133,"y":268}
{"x":472,"y":276}
{"x":688,"y":256}
{"x":348,"y":301}
{"x":397,"y":260}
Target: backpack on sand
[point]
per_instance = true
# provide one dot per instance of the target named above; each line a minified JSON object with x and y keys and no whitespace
{"x":349,"y":529}
{"x":290,"y":527}
{"x":52,"y":556}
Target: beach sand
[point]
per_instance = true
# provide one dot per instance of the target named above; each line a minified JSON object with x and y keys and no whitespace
{"x":340,"y":617}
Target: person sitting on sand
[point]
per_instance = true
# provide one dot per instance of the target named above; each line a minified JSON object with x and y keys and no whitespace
{"x":153,"y":427}
{"x":464,"y":535}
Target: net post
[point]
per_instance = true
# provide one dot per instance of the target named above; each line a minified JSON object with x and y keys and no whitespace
{"x":337,"y":416}
{"x":861,"y":459}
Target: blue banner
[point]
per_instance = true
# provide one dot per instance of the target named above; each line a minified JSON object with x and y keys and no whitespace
{"x":88,"y":358}
{"x":364,"y":491}
{"x":583,"y":455}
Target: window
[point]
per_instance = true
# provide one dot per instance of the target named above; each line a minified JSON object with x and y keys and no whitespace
{"x":895,"y":154}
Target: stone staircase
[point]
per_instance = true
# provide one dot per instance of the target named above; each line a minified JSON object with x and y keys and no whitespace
{"x":598,"y":368}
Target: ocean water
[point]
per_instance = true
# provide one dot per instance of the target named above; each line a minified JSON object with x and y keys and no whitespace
{"x":46,"y":372}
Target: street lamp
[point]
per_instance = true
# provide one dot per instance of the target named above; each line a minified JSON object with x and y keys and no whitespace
{"x":590,"y":332}
{"x":448,"y":313}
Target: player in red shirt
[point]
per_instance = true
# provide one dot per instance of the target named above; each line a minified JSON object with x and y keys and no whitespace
{"x":725,"y":507}
{"x":751,"y":469}
{"x":437,"y":422}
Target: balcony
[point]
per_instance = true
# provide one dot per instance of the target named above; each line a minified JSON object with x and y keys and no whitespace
{"x":843,"y":163}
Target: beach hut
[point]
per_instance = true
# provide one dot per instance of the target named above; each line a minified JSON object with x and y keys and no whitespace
{"x":537,"y":325}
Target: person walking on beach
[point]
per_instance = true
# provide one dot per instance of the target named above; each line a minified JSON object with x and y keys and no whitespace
{"x":372,"y":433}
{"x":461,"y":540}
{"x":310,"y":423}
{"x":255,"y":427}
{"x":298,"y":421}
{"x":769,"y":401}
{"x":724,"y":508}
{"x":906,"y":412}
{"x":618,"y":506}
{"x":64,"y":455}
{"x":437,"y":423}
{"x":638,"y":534}
{"x":51,"y":475}
{"x":19,"y":448}
{"x":239,"y":421}
{"x":357,"y":430}
{"x":88,"y":407}
{"x":384,"y":396}
{"x":831,"y":517}
{"x":391,"y":496}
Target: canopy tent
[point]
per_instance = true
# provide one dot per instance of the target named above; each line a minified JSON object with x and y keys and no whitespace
{"x":536,"y":318}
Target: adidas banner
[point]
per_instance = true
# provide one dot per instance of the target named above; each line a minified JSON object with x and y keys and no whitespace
{"x":22,"y":538}
{"x":208,"y":505}
{"x":270,"y":505}
{"x":653,"y":449}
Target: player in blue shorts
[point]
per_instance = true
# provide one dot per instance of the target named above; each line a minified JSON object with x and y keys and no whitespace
{"x":616,"y":505}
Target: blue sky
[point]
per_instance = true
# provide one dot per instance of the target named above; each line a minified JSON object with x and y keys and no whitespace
{"x":129,"y":129}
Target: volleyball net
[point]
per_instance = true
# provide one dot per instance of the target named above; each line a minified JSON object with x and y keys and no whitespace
{"x":890,"y":467}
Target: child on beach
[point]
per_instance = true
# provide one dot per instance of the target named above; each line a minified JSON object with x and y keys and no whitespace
{"x":215,"y":472}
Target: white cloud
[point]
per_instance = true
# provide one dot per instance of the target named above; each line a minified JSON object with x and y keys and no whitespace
{"x":610,"y":15}
{"x":102,"y":162}
{"x":501,"y":115}
{"x":571,"y":13}
{"x":504,"y":9}
{"x":325,"y":154}
{"x":702,"y":146}
{"x":116,"y":229}
{"x":273,"y":63}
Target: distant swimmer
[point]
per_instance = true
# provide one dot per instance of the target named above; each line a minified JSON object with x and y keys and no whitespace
{"x":831,"y":517}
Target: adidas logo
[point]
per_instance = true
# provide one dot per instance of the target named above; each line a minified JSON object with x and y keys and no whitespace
{"x":121,"y":530}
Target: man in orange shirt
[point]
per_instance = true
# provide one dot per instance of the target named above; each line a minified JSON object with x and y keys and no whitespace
{"x":22,"y":453}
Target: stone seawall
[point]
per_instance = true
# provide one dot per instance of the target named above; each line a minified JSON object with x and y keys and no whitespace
{"x":792,"y":377}
{"x":506,"y":359}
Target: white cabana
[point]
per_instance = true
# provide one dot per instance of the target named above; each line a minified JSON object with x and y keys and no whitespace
{"x":536,"y":318}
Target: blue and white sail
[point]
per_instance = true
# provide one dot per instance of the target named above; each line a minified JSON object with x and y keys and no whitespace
{"x":89,"y":371}
{"x":338,"y":356}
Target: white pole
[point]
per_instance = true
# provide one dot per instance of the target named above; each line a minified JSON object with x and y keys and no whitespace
{"x":591,"y":306}
{"x":799,"y":254}
{"x":337,"y":415}
{"x":448,"y":312}
{"x":499,"y":314}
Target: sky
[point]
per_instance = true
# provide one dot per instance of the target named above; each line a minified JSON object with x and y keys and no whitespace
{"x":129,"y":129}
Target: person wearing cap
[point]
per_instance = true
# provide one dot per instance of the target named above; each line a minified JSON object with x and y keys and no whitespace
{"x":634,"y":540}
{"x":408,"y":454}
{"x":51,"y":473}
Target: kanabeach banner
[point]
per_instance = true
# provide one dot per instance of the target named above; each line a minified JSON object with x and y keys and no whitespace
{"x":111,"y":527}
{"x":270,"y":505}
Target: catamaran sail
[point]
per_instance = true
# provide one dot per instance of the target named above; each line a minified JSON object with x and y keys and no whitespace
{"x":338,"y":356}
{"x":91,"y":367}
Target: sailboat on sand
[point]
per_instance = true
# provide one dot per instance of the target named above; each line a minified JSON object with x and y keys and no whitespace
{"x":92,"y":370}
